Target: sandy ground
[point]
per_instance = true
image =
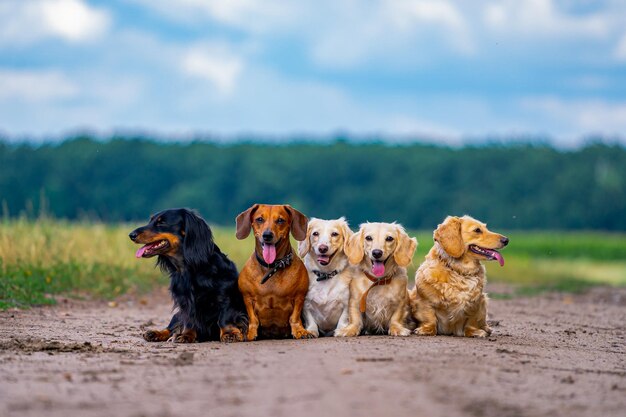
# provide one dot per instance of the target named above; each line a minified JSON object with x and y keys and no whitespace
{"x":554,"y":355}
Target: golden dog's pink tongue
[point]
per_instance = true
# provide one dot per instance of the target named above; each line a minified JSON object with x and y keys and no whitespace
{"x":378,"y":268}
{"x":269,"y":253}
{"x":140,"y":251}
{"x":499,"y":257}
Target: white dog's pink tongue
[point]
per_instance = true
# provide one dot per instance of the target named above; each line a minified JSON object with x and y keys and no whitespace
{"x":269,"y":253}
{"x":499,"y":257}
{"x":140,"y":251}
{"x":378,"y":268}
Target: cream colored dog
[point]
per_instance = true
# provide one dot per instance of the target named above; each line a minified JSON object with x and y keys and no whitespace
{"x":448,"y":297}
{"x":323,"y":250}
{"x":381,"y":251}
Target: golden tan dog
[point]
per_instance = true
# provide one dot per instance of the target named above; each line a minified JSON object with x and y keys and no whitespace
{"x":330,"y":274}
{"x":448,"y":297}
{"x":381,"y":251}
{"x":274,"y":281}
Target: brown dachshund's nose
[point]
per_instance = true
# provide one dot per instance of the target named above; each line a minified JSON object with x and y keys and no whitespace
{"x":133,"y":235}
{"x":377,"y":253}
{"x":323,"y":248}
{"x":268,"y":236}
{"x":504,"y":240}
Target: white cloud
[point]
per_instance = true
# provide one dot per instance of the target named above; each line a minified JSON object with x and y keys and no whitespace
{"x":213,"y":64}
{"x":538,"y":18}
{"x":26,"y":22}
{"x":35,"y":85}
{"x":620,"y":49}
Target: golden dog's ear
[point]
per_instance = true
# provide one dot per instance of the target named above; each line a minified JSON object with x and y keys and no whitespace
{"x":448,"y":234}
{"x":346,"y":232}
{"x":299,"y":223}
{"x":354,"y":248}
{"x":305,"y":246}
{"x":244,"y":222}
{"x":403,"y":254}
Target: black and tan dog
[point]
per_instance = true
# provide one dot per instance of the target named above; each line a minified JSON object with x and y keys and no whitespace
{"x":274,"y":281}
{"x":203,"y":281}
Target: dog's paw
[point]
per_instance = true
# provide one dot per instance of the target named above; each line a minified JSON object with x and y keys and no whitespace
{"x":475,"y":333}
{"x":348,"y":331}
{"x":231,"y":335}
{"x":399,"y":331}
{"x":302,"y":334}
{"x":425,"y":331}
{"x":252,"y":334}
{"x":185,"y":337}
{"x":156,"y":335}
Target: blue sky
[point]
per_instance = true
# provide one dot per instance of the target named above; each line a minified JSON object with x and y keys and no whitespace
{"x":449,"y":71}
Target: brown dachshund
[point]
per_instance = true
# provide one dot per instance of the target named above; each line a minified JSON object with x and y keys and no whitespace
{"x":274,"y":281}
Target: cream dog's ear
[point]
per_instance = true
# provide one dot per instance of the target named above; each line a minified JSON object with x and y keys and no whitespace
{"x":305,"y":245}
{"x":354,"y":248}
{"x":345,"y":232}
{"x":448,"y":234}
{"x":403,"y":255}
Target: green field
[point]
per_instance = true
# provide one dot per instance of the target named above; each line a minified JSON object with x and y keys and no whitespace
{"x":42,"y":259}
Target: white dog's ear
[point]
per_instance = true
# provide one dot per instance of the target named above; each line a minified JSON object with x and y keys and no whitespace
{"x":305,"y":245}
{"x":346,"y":232}
{"x":448,"y":235}
{"x":403,"y":254}
{"x":354,"y":248}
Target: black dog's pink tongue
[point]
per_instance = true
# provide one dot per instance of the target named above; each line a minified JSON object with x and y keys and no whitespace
{"x":378,"y":268}
{"x":140,"y":251}
{"x":269,"y":253}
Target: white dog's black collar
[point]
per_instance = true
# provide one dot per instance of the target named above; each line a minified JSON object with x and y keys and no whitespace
{"x":323,"y":276}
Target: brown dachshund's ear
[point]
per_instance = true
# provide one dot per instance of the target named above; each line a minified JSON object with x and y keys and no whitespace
{"x":448,"y":234}
{"x":244,"y":222}
{"x":305,"y":246}
{"x":346,"y":232}
{"x":299,"y":223}
{"x":354,"y":249}
{"x":403,"y":254}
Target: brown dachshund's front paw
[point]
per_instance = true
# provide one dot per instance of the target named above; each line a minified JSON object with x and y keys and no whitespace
{"x":302,"y":334}
{"x":156,"y":335}
{"x":187,"y":336}
{"x":231,"y":334}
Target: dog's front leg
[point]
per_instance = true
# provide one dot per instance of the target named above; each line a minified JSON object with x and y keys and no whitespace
{"x":397,"y":323}
{"x":354,"y":315}
{"x":253,"y":320}
{"x":476,"y":325}
{"x":309,"y":321}
{"x":425,"y":315}
{"x":188,"y":335}
{"x":344,"y":320}
{"x":295,"y":320}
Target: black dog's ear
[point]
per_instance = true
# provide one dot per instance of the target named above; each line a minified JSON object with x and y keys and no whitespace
{"x":197,"y":239}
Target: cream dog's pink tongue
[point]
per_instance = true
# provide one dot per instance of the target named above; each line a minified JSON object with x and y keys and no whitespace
{"x":269,"y":253}
{"x":378,"y":268}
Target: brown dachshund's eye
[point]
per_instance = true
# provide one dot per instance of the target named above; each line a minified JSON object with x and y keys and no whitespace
{"x":368,"y":238}
{"x":315,"y":234}
{"x":477,"y":230}
{"x":280,"y":221}
{"x":259,"y":220}
{"x":334,"y":234}
{"x":389,"y":239}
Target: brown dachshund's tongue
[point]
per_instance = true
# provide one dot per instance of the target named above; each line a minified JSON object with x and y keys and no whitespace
{"x":378,"y":268}
{"x":269,"y":253}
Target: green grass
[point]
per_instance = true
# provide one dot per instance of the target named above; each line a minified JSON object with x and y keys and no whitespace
{"x":42,"y":259}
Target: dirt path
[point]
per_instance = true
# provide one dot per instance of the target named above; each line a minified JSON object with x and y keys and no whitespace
{"x":550,"y":355}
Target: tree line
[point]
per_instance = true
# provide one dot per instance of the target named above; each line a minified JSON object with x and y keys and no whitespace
{"x":515,"y":186}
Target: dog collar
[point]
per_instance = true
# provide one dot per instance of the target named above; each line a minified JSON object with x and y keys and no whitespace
{"x":323,"y":276}
{"x":375,"y":282}
{"x":274,"y":266}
